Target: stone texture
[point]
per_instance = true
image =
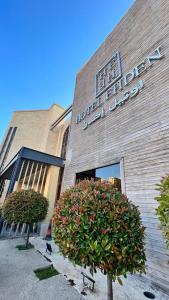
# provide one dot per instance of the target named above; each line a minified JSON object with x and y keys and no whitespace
{"x":135,"y":134}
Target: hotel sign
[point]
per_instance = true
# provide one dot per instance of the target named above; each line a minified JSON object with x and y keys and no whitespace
{"x":109,"y":82}
{"x":108,"y":75}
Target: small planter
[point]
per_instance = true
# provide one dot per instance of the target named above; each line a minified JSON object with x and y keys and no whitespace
{"x":24,"y":247}
{"x":46,"y":272}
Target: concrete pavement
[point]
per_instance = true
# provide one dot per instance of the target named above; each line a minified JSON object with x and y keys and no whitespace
{"x":18,"y":281}
{"x":132,"y":289}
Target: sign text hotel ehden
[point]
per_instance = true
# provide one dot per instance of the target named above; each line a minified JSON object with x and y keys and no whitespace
{"x":109,"y":81}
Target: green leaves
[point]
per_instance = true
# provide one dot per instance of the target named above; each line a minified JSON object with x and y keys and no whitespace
{"x":104,"y":242}
{"x":163,"y":209}
{"x":95,"y":225}
{"x":26,"y":206}
{"x":108,"y":247}
{"x":93,"y":245}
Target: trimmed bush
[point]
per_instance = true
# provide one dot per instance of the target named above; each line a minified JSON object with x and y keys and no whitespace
{"x":163,"y":208}
{"x":95,"y":225}
{"x":26,"y":206}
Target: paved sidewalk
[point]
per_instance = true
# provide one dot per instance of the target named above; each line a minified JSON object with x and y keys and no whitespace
{"x":132,"y":288}
{"x":18,"y":281}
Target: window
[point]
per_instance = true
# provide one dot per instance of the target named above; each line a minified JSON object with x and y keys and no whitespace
{"x":7,"y":144}
{"x":65,"y":143}
{"x":110,"y":173}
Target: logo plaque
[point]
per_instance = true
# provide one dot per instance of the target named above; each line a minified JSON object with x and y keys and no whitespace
{"x":109,"y":74}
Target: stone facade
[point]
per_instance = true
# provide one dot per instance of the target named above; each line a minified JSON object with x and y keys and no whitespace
{"x":134,"y":130}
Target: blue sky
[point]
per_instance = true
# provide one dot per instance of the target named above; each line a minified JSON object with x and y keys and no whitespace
{"x":43,"y":45}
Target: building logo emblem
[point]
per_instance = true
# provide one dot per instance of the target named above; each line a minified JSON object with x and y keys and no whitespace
{"x":109,"y":74}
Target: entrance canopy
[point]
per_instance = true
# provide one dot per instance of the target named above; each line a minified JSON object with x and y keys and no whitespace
{"x":12,"y":170}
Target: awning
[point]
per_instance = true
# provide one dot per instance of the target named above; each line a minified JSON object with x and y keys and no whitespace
{"x":11,"y":171}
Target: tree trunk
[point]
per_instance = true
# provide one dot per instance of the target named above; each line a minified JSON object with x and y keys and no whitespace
{"x":109,"y":288}
{"x":27,"y":238}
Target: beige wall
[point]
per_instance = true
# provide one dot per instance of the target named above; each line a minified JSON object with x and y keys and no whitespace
{"x":50,"y":193}
{"x":33,"y":130}
{"x":136,"y":133}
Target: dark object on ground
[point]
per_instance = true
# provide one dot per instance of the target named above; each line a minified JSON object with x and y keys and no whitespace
{"x":49,"y":232}
{"x":48,"y":259}
{"x":47,"y":272}
{"x":48,"y":248}
{"x":149,"y":295}
{"x":1,"y":223}
{"x":84,"y":293}
{"x":71,"y":282}
{"x":24,"y":247}
{"x":90,"y":279}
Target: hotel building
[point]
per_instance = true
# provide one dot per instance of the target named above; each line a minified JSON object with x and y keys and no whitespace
{"x":119,"y":128}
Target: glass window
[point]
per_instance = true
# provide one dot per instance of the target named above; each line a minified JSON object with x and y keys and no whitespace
{"x":65,"y":143}
{"x":7,"y":144}
{"x":110,"y":173}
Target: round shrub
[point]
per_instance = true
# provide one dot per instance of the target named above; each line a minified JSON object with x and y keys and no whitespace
{"x":26,"y":206}
{"x":95,"y":225}
{"x":163,"y":208}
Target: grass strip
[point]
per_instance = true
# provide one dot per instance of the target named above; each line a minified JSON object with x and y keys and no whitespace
{"x":47,"y":272}
{"x":23,"y":247}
